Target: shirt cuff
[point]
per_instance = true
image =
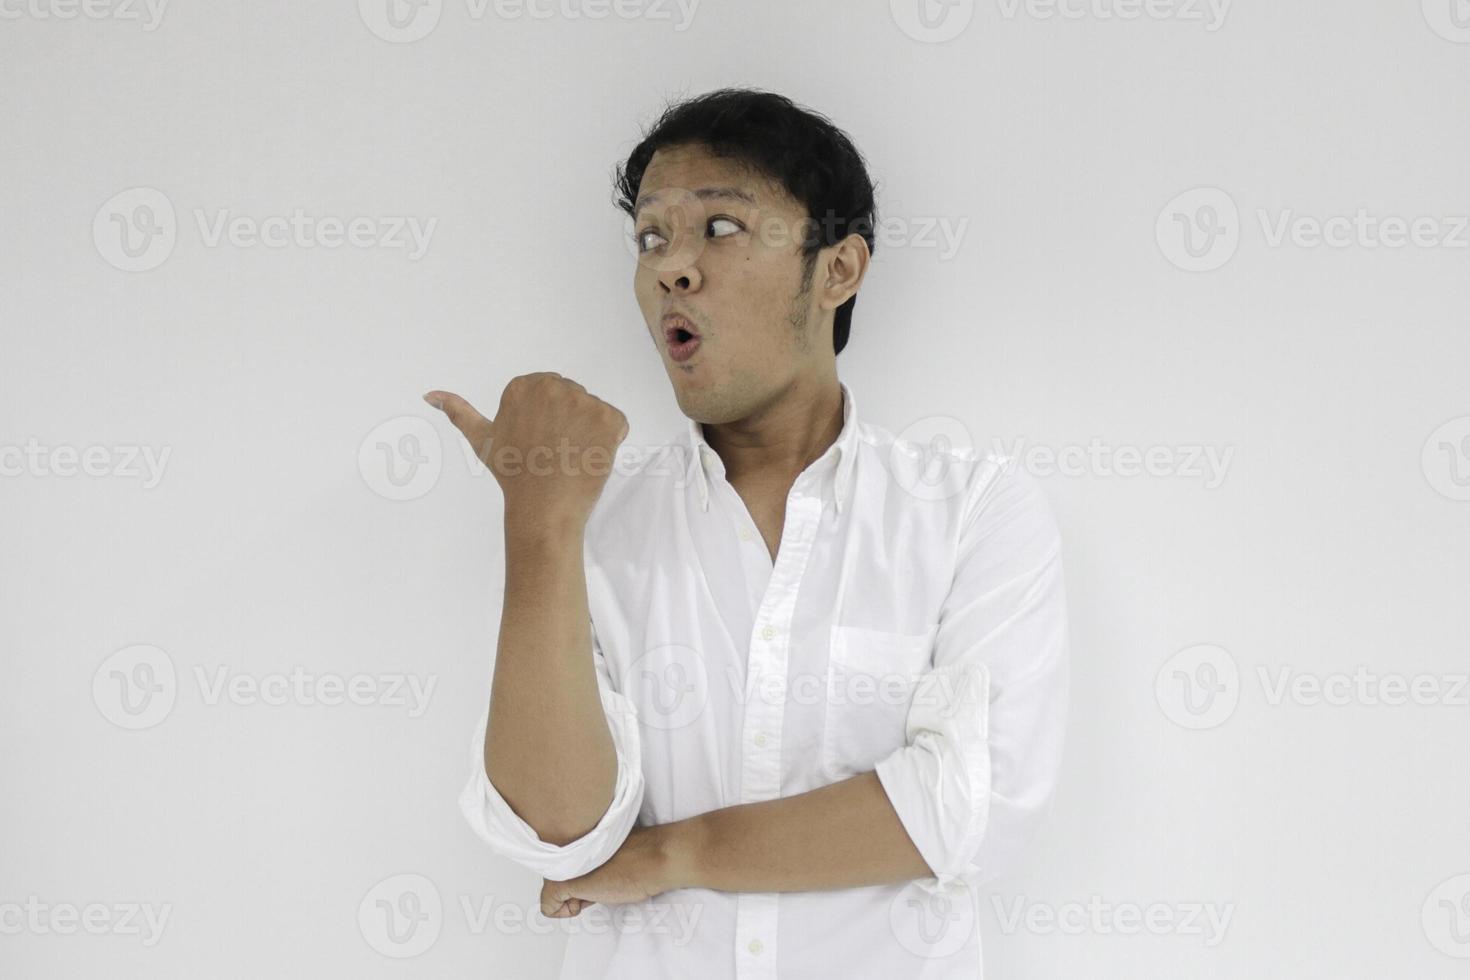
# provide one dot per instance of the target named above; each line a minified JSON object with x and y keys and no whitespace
{"x":939,"y":783}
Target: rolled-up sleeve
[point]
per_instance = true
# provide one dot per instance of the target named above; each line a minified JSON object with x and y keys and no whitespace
{"x":492,"y":819}
{"x":986,"y":725}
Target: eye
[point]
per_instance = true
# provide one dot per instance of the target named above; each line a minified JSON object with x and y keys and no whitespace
{"x":728,"y":221}
{"x":640,"y":237}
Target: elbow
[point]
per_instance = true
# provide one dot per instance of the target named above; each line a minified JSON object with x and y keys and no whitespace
{"x":1005,"y":840}
{"x":555,"y":852}
{"x":562,"y":833}
{"x":553,"y":832}
{"x":553,"y":812}
{"x":942,"y":792}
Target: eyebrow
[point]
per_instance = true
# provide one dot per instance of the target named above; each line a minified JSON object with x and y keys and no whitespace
{"x":704,"y":194}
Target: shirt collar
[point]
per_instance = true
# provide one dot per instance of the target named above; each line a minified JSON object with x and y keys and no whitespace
{"x":705,"y":461}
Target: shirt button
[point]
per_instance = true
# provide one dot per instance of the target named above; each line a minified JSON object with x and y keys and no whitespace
{"x":760,"y":740}
{"x":755,"y":946}
{"x":768,"y":632}
{"x":745,"y":535}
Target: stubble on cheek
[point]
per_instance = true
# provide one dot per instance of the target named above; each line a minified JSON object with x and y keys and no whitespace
{"x":800,"y":326}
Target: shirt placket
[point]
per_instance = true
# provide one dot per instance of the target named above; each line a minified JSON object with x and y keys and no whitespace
{"x":756,"y":912}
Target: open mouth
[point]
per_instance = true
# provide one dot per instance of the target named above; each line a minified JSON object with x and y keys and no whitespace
{"x":681,"y":343}
{"x":680,"y":339}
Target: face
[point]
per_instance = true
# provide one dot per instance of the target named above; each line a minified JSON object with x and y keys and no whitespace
{"x":723,"y":247}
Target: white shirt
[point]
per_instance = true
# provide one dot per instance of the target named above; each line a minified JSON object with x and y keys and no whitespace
{"x":913,"y":623}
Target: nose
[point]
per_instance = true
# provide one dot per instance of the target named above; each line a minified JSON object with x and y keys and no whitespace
{"x":686,"y":279}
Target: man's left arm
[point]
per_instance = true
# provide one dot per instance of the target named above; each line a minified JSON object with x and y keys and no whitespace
{"x":842,"y":835}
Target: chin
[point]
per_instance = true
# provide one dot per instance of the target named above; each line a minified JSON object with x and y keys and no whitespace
{"x":693,"y":401}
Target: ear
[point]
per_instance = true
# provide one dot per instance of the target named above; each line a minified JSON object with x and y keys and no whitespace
{"x":845,"y":263}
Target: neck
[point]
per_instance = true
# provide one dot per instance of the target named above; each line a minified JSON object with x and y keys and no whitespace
{"x":785,"y":435}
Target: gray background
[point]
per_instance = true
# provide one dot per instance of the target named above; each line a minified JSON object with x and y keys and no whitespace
{"x":1068,"y":154}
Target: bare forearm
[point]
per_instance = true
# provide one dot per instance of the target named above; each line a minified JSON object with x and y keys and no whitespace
{"x":548,"y":750}
{"x":844,"y":835}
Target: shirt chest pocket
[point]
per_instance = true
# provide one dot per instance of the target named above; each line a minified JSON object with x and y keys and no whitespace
{"x":871,"y":676}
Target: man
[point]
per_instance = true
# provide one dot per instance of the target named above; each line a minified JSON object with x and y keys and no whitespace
{"x":790,"y":688}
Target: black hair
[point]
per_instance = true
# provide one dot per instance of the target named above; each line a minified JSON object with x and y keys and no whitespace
{"x":771,"y":136}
